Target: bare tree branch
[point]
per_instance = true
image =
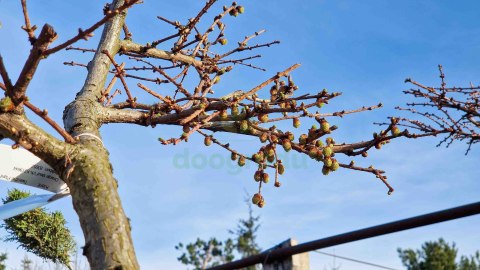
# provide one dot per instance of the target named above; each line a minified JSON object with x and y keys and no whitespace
{"x":452,"y":111}
{"x":28,"y":27}
{"x":129,"y":46}
{"x":6,"y":79}
{"x":28,"y":135}
{"x":47,"y":36}
{"x":86,"y":34}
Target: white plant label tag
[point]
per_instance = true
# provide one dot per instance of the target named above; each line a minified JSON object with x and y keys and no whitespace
{"x":21,"y":166}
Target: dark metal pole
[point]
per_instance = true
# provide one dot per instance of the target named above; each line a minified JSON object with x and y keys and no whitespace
{"x":396,"y":226}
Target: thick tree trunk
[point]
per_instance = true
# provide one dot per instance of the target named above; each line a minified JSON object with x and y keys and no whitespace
{"x":108,"y":244}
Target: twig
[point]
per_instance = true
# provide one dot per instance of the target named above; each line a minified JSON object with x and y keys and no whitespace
{"x":107,"y":90}
{"x":85,"y":34}
{"x":128,"y":34}
{"x":44,"y":115}
{"x":5,"y":77}
{"x":185,"y":32}
{"x":179,"y":86}
{"x":153,"y":93}
{"x":27,"y":27}
{"x":377,"y":173}
{"x":265,"y":83}
{"x":47,"y":36}
{"x":71,"y":63}
{"x":120,"y":75}
{"x":112,"y":96}
{"x":168,"y":21}
{"x":80,"y":49}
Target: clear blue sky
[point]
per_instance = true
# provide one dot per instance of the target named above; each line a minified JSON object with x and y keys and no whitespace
{"x":364,"y":49}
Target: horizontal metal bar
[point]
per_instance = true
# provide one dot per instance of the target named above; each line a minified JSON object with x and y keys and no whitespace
{"x":396,"y":226}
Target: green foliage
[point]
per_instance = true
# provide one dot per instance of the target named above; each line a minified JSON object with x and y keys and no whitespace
{"x":44,"y":234}
{"x":3,"y":258}
{"x":202,"y":254}
{"x":437,"y":255}
{"x":470,"y":263}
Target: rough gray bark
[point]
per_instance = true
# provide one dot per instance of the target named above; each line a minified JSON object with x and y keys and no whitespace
{"x":108,"y":244}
